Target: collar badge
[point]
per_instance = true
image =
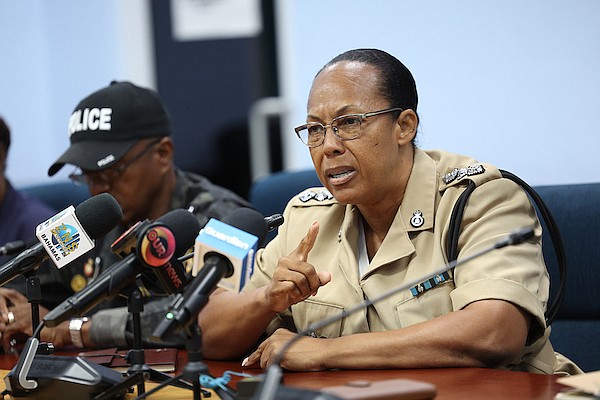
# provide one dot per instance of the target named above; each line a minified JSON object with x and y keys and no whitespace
{"x":417,"y":219}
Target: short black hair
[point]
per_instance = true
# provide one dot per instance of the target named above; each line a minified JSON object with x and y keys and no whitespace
{"x":4,"y":133}
{"x":397,"y":84}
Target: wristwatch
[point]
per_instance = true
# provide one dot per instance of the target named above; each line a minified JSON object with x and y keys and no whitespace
{"x":75,"y":326}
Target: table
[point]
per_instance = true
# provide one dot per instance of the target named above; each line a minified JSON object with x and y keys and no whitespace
{"x":451,"y":383}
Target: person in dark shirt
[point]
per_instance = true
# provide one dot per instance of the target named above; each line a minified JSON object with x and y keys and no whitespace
{"x":19,"y":216}
{"x":121,"y":144}
{"x":19,"y":213}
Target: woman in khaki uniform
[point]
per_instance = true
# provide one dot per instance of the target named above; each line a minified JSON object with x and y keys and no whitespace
{"x":382,"y":221}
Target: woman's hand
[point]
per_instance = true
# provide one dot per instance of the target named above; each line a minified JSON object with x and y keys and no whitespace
{"x":306,"y":354}
{"x":294,"y":279}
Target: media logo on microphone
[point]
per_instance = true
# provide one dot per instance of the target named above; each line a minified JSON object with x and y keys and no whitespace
{"x":237,"y":245}
{"x":63,"y":237}
{"x":157,"y":246}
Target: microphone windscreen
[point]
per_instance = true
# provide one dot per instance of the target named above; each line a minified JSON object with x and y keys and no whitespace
{"x":250,"y":221}
{"x":99,"y":214}
{"x":185,"y":228}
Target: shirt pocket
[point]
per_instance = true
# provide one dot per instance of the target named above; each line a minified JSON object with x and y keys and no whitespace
{"x":428,"y":305}
{"x":311,"y":311}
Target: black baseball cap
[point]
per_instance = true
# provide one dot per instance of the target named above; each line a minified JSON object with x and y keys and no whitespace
{"x":107,"y":123}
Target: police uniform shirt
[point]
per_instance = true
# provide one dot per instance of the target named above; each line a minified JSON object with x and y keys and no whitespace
{"x":413,"y":248}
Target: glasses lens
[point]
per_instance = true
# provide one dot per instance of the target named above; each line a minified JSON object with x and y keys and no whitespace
{"x":77,"y":177}
{"x":311,"y":134}
{"x":347,"y":126}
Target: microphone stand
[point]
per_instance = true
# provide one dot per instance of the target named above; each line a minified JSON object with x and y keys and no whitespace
{"x":269,"y":387}
{"x":139,"y":371}
{"x":33,"y":292}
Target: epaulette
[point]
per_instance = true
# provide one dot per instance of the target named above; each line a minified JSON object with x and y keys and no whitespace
{"x":314,"y":196}
{"x":478,"y":173}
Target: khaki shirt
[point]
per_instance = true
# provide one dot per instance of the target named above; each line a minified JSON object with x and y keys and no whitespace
{"x":414,"y":248}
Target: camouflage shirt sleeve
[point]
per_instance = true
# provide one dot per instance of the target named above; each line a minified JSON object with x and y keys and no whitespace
{"x":113,"y":326}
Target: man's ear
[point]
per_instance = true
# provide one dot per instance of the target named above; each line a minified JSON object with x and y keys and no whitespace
{"x":407,"y":124}
{"x":164,"y":152}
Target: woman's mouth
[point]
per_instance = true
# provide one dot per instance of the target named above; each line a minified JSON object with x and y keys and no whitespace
{"x":341,"y":177}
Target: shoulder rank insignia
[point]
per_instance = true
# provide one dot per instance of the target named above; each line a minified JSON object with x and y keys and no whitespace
{"x":459,"y":173}
{"x":316,"y":194}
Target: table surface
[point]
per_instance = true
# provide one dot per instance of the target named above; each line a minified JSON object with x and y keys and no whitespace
{"x":451,"y":383}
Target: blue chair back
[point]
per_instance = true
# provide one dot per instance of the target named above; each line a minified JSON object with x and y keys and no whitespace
{"x":576,"y":210}
{"x":270,"y":194}
{"x":57,"y":195}
{"x":576,"y":329}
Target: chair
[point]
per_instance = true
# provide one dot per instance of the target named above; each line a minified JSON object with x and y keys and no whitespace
{"x":576,"y":329}
{"x":270,"y":194}
{"x":576,"y":210}
{"x":57,"y":195}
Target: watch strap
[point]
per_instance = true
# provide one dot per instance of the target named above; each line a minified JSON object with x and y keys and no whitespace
{"x":75,"y":326}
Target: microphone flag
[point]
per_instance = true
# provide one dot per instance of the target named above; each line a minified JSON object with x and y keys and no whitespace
{"x":63,"y":237}
{"x":238,"y":245}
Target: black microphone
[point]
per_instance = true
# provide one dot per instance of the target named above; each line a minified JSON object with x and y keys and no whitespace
{"x":217,"y":265}
{"x":274,"y":221}
{"x":168,"y":237}
{"x":171,"y":276}
{"x":270,"y":384}
{"x":14,"y":247}
{"x":66,"y":236}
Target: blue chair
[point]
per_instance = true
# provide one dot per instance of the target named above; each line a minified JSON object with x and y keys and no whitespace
{"x":270,"y":194}
{"x":576,"y":210}
{"x":576,"y":329}
{"x":57,"y":195}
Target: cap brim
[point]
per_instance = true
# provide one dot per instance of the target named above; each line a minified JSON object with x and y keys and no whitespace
{"x":92,"y":155}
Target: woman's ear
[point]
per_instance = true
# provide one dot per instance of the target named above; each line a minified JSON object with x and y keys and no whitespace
{"x":407,"y":122}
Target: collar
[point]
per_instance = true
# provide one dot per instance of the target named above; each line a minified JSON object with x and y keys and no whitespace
{"x":418,"y":204}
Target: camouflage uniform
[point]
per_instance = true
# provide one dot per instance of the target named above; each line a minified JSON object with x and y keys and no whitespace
{"x":111,"y":323}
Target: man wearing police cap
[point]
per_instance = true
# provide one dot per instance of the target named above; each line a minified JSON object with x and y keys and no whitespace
{"x":119,"y":143}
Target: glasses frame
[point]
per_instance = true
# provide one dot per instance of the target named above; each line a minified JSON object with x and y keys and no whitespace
{"x":335,"y":129}
{"x":102,"y":177}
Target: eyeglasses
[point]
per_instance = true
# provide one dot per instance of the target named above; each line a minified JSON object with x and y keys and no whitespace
{"x":104,"y":177}
{"x":344,"y":127}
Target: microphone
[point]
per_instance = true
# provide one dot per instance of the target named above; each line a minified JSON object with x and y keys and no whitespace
{"x":270,"y":384}
{"x":171,"y":276}
{"x":237,"y":237}
{"x":157,"y":244}
{"x":66,"y":236}
{"x":274,"y":221}
{"x":14,"y":247}
{"x":222,"y":250}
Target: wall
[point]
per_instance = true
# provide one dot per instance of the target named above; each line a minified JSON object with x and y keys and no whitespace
{"x":514,"y":83}
{"x":53,"y":54}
